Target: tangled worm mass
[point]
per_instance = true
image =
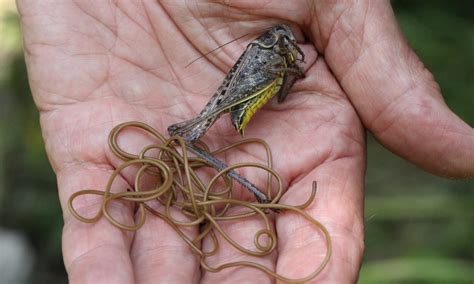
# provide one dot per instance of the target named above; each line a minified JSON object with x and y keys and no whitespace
{"x":178,"y":185}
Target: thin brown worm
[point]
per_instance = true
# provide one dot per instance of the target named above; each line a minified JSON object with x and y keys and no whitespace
{"x":178,"y":184}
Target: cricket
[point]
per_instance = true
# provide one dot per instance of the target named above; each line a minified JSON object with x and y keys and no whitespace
{"x":268,"y":67}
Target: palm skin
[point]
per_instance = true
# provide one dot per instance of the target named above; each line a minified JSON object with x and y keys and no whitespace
{"x":93,"y":65}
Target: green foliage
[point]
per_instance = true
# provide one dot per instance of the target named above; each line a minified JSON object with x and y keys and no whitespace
{"x":418,"y":270}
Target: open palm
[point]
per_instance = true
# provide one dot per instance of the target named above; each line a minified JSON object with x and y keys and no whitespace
{"x":94,"y":64}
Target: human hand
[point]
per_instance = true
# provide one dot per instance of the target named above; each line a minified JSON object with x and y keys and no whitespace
{"x":93,"y":65}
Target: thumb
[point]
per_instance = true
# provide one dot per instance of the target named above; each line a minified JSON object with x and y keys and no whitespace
{"x":394,"y":94}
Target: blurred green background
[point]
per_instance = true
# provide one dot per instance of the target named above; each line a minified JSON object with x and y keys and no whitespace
{"x":419,"y":228}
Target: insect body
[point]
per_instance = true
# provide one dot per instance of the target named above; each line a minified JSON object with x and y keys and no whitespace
{"x":266,"y":68}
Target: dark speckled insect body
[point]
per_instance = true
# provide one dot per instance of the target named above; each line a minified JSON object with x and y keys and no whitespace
{"x":266,"y":68}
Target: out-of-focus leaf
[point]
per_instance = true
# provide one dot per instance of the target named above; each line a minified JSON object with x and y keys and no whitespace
{"x":417,"y":270}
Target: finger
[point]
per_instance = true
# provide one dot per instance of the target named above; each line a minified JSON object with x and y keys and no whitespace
{"x":158,"y":252}
{"x":90,"y":251}
{"x":334,"y":155}
{"x":339,"y":207}
{"x":160,"y":255}
{"x":394,"y":94}
{"x":242,"y":231}
{"x":98,"y":252}
{"x":157,"y":248}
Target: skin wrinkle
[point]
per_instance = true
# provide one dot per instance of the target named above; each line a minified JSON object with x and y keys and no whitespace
{"x":339,"y":253}
{"x":171,"y":68}
{"x":28,"y":47}
{"x":364,"y":25}
{"x":333,"y":119}
{"x":100,"y":84}
{"x":49,"y":107}
{"x":159,"y":246}
{"x":351,"y":67}
{"x":208,"y":36}
{"x":363,"y":50}
{"x":107,"y":74}
{"x":326,"y":158}
{"x":353,"y":229}
{"x":165,"y":56}
{"x":334,"y":156}
{"x":306,"y":172}
{"x":97,"y":42}
{"x":332,"y":29}
{"x":308,"y":241}
{"x":42,"y":106}
{"x":281,"y":121}
{"x":89,"y":165}
{"x":58,"y":164}
{"x":315,"y":19}
{"x":128,"y":16}
{"x":65,"y":164}
{"x":417,"y":69}
{"x":142,"y":68}
{"x":378,"y":124}
{"x":104,"y":94}
{"x":154,"y":259}
{"x":444,"y":148}
{"x":267,"y":7}
{"x":284,"y":117}
{"x":96,"y":19}
{"x":92,"y":251}
{"x":356,"y":62}
{"x":70,"y":224}
{"x":155,"y":38}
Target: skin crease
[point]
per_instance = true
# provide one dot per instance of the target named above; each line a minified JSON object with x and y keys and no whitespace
{"x":94,"y":64}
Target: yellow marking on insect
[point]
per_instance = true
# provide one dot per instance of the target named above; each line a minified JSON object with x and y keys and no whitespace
{"x":292,"y":58}
{"x":264,"y":96}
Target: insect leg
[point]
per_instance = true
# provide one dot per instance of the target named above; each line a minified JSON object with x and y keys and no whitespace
{"x":298,"y":49}
{"x":191,"y":130}
{"x":293,"y":69}
{"x":288,"y":82}
{"x":219,"y":165}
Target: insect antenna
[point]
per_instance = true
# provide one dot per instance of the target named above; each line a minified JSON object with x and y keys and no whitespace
{"x":220,"y":46}
{"x":209,"y":52}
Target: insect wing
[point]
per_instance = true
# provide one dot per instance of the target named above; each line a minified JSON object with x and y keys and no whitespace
{"x":244,"y":84}
{"x":235,"y":89}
